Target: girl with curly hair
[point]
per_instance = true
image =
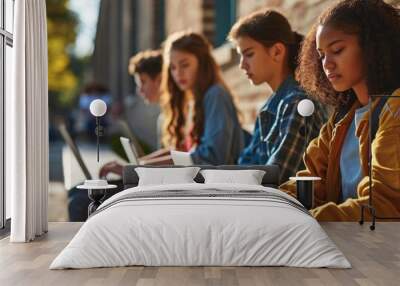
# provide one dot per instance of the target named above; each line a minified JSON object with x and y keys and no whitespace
{"x":350,"y":55}
{"x":268,"y":49}
{"x":199,"y":113}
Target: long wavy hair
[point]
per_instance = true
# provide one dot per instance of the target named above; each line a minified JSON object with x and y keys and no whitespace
{"x":377,"y":26}
{"x":269,"y":27}
{"x":173,"y":99}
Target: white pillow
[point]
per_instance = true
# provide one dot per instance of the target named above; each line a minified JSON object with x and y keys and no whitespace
{"x":248,"y":177}
{"x":164,"y":176}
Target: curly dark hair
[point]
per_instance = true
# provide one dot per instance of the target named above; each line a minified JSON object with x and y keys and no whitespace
{"x":269,"y":27}
{"x":377,"y":26}
{"x":149,"y":62}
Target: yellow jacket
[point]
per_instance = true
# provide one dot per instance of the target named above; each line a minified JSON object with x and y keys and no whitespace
{"x":322,"y":159}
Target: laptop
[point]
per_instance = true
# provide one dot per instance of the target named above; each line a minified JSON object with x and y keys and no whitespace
{"x":181,"y":158}
{"x":127,"y":131}
{"x":75,"y":178}
{"x":130,"y":150}
{"x":71,"y":144}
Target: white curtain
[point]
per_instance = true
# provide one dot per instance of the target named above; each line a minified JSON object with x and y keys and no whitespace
{"x":27,"y":123}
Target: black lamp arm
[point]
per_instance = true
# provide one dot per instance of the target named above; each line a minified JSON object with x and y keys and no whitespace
{"x":99,"y":132}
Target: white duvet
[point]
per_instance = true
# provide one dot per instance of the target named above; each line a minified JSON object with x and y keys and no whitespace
{"x":183,"y":231}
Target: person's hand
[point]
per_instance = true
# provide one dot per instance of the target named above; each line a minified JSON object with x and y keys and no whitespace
{"x":111,"y":167}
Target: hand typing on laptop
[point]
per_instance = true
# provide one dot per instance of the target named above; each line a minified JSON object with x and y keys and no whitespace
{"x":110,"y":167}
{"x":163,"y":156}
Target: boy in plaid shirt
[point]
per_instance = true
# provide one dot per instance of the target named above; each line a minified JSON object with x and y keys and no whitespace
{"x":268,"y":49}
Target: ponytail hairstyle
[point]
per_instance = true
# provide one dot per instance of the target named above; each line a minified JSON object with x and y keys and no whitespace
{"x":208,"y":74}
{"x":377,"y":26}
{"x":269,"y":27}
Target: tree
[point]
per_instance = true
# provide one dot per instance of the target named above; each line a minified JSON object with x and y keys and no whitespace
{"x":61,"y":30}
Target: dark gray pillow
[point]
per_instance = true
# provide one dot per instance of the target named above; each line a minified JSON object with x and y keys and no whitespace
{"x":270,"y":179}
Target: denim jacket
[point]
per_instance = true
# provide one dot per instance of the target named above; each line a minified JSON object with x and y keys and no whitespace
{"x":222,"y":138}
{"x":279,"y":133}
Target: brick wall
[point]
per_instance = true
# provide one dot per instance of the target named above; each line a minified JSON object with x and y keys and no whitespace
{"x":183,"y":14}
{"x":302,"y":14}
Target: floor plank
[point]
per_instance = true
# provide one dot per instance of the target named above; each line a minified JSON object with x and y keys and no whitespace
{"x":374,"y":255}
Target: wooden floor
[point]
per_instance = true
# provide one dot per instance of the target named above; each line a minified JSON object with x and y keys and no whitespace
{"x":375,"y":257}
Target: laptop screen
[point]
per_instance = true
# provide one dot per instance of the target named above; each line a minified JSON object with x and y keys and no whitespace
{"x":130,"y":150}
{"x":71,"y":144}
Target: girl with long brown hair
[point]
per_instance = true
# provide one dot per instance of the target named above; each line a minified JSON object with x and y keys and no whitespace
{"x":199,"y":114}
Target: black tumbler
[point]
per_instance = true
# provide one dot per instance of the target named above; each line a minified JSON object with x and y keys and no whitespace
{"x":305,"y":193}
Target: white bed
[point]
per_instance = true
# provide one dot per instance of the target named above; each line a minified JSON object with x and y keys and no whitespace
{"x":246,"y":225}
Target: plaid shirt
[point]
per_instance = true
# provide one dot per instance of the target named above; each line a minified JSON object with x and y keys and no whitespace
{"x":279,"y":133}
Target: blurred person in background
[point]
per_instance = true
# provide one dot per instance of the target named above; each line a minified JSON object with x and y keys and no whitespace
{"x":146,"y":68}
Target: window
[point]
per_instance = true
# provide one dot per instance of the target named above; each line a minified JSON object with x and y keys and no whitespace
{"x":218,"y":18}
{"x":225,"y":17}
{"x":6,"y":44}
